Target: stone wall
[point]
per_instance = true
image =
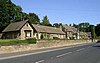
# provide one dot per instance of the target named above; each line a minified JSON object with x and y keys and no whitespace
{"x":41,"y":44}
{"x":54,"y":43}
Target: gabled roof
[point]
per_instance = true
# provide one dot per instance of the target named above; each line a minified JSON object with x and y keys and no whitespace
{"x":14,"y":26}
{"x":70,"y":28}
{"x":83,"y":34}
{"x":47,"y":29}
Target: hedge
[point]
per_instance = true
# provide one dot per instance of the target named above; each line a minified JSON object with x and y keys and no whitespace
{"x":15,"y":41}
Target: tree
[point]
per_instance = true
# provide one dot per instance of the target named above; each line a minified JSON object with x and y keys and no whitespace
{"x":66,"y":24}
{"x":56,"y":25}
{"x":45,"y":21}
{"x":18,"y":13}
{"x":92,"y":27}
{"x":84,"y":27}
{"x":75,"y":25}
{"x":6,"y":13}
{"x":33,"y":18}
{"x":25,"y":16}
{"x":9,"y":12}
{"x":70,"y":24}
{"x":97,"y":30}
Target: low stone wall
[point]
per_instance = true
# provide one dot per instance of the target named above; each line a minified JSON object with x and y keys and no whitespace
{"x":54,"y":43}
{"x":41,"y":44}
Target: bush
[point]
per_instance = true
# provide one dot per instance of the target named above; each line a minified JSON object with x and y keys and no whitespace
{"x":31,"y":41}
{"x":14,"y":42}
{"x":72,"y":38}
{"x":55,"y":38}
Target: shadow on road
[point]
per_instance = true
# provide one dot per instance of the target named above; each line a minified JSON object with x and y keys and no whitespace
{"x":97,"y":46}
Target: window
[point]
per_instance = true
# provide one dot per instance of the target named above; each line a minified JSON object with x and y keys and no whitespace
{"x":27,"y":33}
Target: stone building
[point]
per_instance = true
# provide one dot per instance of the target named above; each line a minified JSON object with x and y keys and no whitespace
{"x":85,"y":35}
{"x":18,"y":30}
{"x":71,"y":32}
{"x":46,"y":32}
{"x":24,"y":29}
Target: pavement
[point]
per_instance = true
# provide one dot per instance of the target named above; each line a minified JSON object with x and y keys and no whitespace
{"x":86,"y":53}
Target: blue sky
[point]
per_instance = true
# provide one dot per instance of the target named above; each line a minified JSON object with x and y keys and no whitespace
{"x":63,"y":11}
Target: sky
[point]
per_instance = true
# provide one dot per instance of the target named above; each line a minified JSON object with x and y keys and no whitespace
{"x":63,"y":11}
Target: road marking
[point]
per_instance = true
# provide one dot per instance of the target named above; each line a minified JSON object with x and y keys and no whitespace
{"x":80,"y":49}
{"x":64,"y":54}
{"x":39,"y":52}
{"x":40,"y":61}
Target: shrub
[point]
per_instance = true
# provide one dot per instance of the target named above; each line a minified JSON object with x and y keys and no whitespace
{"x":55,"y":38}
{"x":14,"y":42}
{"x":30,"y":40}
{"x":72,"y":38}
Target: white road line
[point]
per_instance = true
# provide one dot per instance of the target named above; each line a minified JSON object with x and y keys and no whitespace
{"x":38,"y":52}
{"x":40,"y":61}
{"x":64,"y":54}
{"x":80,"y":49}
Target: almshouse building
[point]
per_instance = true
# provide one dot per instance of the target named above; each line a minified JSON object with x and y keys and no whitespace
{"x":46,"y":32}
{"x":18,"y":30}
{"x":24,"y":30}
{"x":71,"y":32}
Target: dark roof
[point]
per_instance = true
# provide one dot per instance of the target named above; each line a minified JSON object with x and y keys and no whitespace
{"x":70,"y":28}
{"x":89,"y":34}
{"x":47,"y":29}
{"x":14,"y":26}
{"x":83,"y":34}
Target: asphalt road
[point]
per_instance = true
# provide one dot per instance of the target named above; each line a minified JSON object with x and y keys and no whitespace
{"x":78,"y":54}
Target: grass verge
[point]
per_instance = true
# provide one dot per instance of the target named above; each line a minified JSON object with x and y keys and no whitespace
{"x":15,"y":41}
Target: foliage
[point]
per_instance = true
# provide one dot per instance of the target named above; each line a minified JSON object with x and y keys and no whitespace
{"x":45,"y":21}
{"x":71,"y":38}
{"x":55,"y":38}
{"x":9,"y":12}
{"x":14,"y":42}
{"x":92,"y":27}
{"x":57,"y":25}
{"x":84,"y":27}
{"x":33,"y":18}
{"x":75,"y":25}
{"x":97,"y":30}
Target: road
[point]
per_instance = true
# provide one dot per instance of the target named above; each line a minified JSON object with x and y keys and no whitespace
{"x":76,"y":54}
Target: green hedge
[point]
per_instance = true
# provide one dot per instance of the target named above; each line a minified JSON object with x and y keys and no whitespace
{"x":14,"y":42}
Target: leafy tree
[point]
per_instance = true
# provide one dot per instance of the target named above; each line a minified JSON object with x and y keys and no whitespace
{"x":66,"y":24}
{"x":9,"y":12}
{"x":97,"y":30}
{"x":56,"y":25}
{"x":92,"y":28}
{"x":75,"y":25}
{"x":18,"y":13}
{"x":24,"y":16}
{"x":84,"y":27}
{"x":70,"y":24}
{"x":33,"y":18}
{"x":5,"y":15}
{"x":45,"y":21}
